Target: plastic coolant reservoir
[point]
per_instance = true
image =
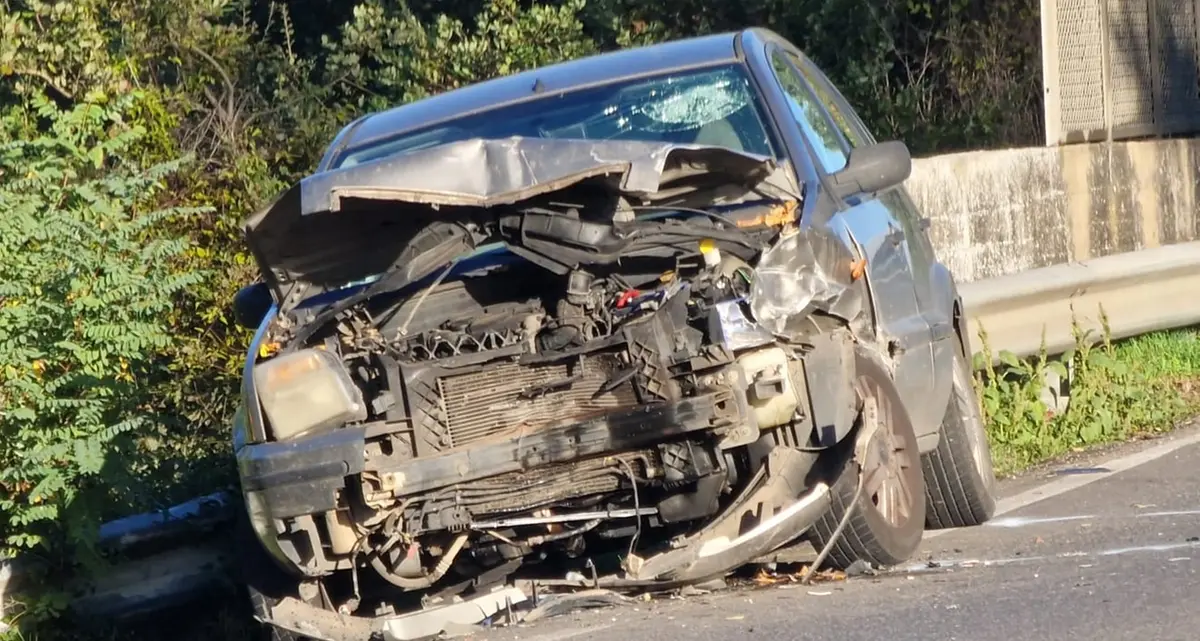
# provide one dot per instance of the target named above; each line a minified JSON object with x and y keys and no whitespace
{"x":770,"y":393}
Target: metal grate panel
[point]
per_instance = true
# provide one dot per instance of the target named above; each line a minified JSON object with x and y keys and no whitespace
{"x":520,"y":491}
{"x":1080,"y":68}
{"x":1178,"y":93}
{"x":1129,"y":66}
{"x":1129,"y":57}
{"x":507,"y":397}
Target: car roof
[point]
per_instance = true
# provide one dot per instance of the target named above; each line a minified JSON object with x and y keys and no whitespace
{"x":557,"y":78}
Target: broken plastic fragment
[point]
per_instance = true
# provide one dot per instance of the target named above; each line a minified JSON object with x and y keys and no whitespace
{"x":861,"y":568}
{"x":267,"y":348}
{"x":437,"y":620}
{"x":858,"y":268}
{"x":734,"y":329}
{"x":712,"y":255}
{"x":804,"y":271}
{"x":777,"y":216}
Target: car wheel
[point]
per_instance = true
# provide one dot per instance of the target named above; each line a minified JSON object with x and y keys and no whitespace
{"x":960,"y":482}
{"x":888,"y":520}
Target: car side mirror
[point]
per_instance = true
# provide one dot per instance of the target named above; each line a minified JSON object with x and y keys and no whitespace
{"x":251,"y":304}
{"x":873,"y":168}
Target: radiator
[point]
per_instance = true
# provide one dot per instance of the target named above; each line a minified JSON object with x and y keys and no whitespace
{"x":519,"y":491}
{"x":507,"y":397}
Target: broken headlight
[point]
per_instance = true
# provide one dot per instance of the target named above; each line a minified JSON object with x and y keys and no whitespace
{"x":803,"y":271}
{"x":305,"y":392}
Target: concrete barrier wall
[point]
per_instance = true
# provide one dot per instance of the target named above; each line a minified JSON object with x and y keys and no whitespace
{"x":1003,"y":211}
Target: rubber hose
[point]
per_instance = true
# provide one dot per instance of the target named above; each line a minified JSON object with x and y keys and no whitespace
{"x":418,"y":583}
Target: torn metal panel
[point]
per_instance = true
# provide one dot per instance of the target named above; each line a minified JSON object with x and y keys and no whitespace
{"x":805,"y":270}
{"x":565,"y":603}
{"x":501,"y":605}
{"x":158,"y":560}
{"x":829,"y":373}
{"x":476,"y":173}
{"x":484,"y":173}
{"x":303,"y":619}
{"x":726,"y":543}
{"x":147,"y":584}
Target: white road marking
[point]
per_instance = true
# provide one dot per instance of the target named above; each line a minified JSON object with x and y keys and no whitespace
{"x":1065,"y":484}
{"x":1022,"y":521}
{"x":951,"y":564}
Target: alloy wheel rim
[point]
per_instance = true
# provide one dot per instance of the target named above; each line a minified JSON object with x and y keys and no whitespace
{"x":889,"y":461}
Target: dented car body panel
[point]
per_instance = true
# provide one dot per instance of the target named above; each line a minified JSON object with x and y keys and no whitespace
{"x":627,"y":333}
{"x":470,"y":173}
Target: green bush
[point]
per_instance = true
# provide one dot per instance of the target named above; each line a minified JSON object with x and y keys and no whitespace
{"x":1117,"y":391}
{"x":85,"y":283}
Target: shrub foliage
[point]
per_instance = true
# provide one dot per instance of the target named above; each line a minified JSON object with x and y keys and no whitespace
{"x":85,"y":282}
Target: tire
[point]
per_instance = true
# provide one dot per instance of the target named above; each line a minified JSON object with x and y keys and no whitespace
{"x":870,"y":535}
{"x":960,"y":482}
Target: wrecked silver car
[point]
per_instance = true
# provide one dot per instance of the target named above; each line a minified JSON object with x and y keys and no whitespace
{"x":625,"y":330}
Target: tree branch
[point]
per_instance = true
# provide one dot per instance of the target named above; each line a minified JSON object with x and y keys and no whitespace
{"x":62,"y":95}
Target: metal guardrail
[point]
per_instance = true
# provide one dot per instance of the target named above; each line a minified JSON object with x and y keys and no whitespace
{"x":164,"y":558}
{"x":178,"y":553}
{"x":1139,"y":292}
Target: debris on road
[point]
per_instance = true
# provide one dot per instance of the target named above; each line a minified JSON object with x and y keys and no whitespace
{"x":768,"y":577}
{"x":564,"y":603}
{"x":457,"y":616}
{"x":700,"y":589}
{"x":861,"y":568}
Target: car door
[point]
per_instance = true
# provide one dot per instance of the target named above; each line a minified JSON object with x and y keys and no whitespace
{"x":878,"y":224}
{"x":931,"y":279}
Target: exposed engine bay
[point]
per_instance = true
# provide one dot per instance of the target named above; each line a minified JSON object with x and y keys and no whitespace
{"x":571,"y":379}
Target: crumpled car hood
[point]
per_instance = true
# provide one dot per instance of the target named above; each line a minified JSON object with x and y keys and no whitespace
{"x":309,"y":240}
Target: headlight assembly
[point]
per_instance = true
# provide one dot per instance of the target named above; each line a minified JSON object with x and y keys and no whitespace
{"x":305,"y":392}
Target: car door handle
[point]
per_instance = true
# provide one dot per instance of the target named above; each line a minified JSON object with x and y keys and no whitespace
{"x":896,"y":235}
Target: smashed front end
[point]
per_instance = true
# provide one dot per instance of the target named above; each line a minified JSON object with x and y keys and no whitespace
{"x":614,"y":359}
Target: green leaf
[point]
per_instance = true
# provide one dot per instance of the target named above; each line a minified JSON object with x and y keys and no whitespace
{"x":1058,"y":368}
{"x":22,"y":414}
{"x":1011,"y":360}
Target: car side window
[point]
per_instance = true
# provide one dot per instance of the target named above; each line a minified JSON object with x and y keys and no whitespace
{"x":807,"y":112}
{"x":834,"y":102}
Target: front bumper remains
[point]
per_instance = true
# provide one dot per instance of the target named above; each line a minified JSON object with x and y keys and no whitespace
{"x":302,"y":477}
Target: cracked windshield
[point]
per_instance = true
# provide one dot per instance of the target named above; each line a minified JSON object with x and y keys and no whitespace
{"x":710,"y":107}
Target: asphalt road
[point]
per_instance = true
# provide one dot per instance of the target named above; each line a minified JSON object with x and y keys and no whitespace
{"x":1105,"y":547}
